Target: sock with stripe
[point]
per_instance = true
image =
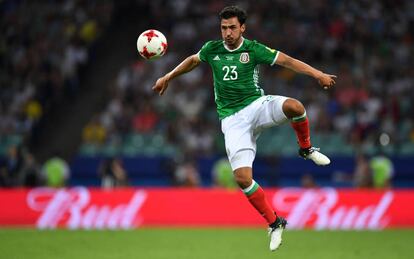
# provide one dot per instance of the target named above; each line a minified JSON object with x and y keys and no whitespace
{"x":257,"y":198}
{"x":301,"y":126}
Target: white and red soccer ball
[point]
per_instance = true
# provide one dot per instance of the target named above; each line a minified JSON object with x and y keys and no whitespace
{"x":151,"y":44}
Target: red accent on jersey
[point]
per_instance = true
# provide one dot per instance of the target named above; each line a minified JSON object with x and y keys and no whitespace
{"x":150,"y":34}
{"x":147,"y":54}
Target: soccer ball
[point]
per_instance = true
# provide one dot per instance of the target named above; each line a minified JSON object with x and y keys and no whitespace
{"x":151,"y":44}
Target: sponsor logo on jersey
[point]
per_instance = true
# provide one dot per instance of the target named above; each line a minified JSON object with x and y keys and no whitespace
{"x":244,"y":57}
{"x":216,"y":57}
{"x":229,"y":58}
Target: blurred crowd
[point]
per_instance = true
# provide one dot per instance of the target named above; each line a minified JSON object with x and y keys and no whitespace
{"x":20,"y":168}
{"x":367,"y":44}
{"x":43,"y":48}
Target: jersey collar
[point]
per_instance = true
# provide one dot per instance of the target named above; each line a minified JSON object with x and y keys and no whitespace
{"x":231,"y":50}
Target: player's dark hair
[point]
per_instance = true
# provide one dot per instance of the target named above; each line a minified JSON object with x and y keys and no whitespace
{"x":233,"y":11}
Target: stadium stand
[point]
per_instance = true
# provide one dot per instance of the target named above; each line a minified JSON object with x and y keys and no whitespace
{"x":368,"y":45}
{"x":44,"y":47}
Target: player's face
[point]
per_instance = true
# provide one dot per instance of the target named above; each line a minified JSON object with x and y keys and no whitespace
{"x":231,"y":31}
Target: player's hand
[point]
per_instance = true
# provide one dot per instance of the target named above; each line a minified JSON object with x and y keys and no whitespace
{"x":326,"y":80}
{"x":161,"y":85}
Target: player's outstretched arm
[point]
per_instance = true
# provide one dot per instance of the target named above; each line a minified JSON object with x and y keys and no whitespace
{"x":325,"y":80}
{"x":186,"y":66}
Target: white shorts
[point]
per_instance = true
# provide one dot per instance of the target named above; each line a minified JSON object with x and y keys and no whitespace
{"x":243,"y":128}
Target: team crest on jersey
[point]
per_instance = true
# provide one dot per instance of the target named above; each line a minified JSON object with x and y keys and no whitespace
{"x":244,"y":57}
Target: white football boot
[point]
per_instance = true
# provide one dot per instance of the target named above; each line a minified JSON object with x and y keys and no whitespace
{"x":275,"y":231}
{"x":313,"y":154}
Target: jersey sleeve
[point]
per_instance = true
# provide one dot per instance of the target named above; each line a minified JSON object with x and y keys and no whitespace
{"x":265,"y":55}
{"x":202,"y":54}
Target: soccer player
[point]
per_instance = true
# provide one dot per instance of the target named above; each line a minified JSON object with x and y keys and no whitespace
{"x":243,"y":108}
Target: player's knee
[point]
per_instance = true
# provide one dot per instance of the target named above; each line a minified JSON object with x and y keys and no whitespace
{"x":244,"y":180}
{"x":293,"y":108}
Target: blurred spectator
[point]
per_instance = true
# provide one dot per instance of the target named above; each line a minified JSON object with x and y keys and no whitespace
{"x":362,"y":177}
{"x":187,"y":175}
{"x":89,"y":31}
{"x":307,"y":181}
{"x":94,"y":132}
{"x":31,"y":173}
{"x":3,"y":175}
{"x":382,"y":171}
{"x":33,"y":111}
{"x":56,"y":172}
{"x":19,"y":168}
{"x":145,"y":120}
{"x":12,"y":166}
{"x":223,"y":174}
{"x":112,"y":173}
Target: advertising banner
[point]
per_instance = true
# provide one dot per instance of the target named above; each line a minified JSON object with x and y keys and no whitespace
{"x":84,"y":208}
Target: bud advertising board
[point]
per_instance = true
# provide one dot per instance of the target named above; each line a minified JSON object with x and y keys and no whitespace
{"x":84,"y":208}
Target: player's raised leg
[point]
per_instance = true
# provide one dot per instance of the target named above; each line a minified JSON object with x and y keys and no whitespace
{"x":295,"y":111}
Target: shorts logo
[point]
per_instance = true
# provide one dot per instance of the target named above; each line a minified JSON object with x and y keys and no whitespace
{"x":267,"y":99}
{"x":244,"y":57}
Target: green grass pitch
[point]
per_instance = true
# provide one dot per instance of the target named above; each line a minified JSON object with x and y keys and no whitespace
{"x":196,"y":243}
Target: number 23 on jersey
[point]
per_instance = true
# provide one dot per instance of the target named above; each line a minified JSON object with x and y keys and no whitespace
{"x":230,"y":73}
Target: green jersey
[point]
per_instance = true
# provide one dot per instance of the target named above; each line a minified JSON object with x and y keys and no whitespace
{"x":236,"y":73}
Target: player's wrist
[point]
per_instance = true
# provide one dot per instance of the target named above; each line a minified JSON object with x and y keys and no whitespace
{"x":318,"y":75}
{"x":167,"y":77}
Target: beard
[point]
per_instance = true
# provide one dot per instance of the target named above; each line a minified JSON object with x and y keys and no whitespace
{"x":231,"y":41}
